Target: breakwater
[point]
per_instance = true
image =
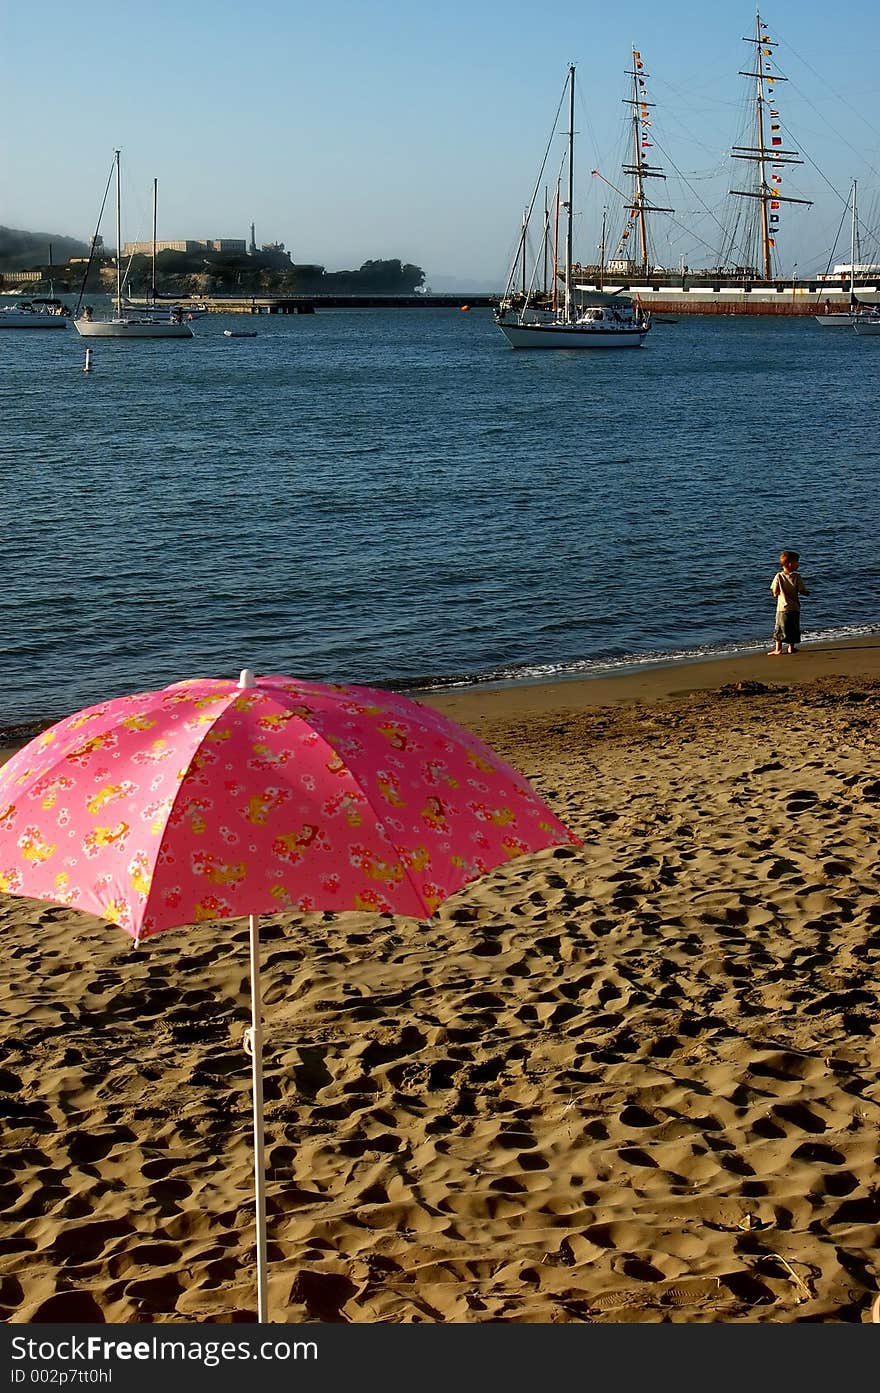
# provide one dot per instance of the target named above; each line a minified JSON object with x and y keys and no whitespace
{"x":308,"y":304}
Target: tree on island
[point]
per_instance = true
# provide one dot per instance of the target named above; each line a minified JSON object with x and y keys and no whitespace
{"x":240,"y":274}
{"x":373,"y":278}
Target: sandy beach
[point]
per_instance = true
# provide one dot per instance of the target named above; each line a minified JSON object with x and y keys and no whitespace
{"x":635,"y":1081}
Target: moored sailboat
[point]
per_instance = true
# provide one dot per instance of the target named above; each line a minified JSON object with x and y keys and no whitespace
{"x":856,"y":314}
{"x":125,"y":323}
{"x":531,"y":320}
{"x":34,"y":314}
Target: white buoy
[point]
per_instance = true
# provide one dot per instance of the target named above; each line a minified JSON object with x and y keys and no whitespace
{"x":87,"y":365}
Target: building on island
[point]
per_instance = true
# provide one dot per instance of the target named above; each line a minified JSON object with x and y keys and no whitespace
{"x":229,"y":245}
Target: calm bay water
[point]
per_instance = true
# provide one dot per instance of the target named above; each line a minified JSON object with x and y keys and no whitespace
{"x":397,"y":497}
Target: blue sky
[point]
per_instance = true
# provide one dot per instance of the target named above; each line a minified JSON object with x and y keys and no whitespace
{"x":389,"y":129}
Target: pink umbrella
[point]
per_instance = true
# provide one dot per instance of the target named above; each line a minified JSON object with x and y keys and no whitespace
{"x":210,"y":799}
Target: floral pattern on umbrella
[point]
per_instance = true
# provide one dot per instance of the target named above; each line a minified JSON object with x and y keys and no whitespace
{"x":208,"y":800}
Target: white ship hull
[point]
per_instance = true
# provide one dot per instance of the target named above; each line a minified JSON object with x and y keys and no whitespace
{"x":131,"y":329}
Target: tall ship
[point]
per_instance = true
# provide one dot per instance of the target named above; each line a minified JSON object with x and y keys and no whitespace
{"x":747,"y":279}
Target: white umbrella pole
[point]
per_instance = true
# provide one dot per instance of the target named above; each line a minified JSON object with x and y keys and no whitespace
{"x":254,"y":1047}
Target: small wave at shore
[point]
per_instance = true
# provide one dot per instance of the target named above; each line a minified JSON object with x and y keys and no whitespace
{"x":14,"y":732}
{"x":616,"y":665}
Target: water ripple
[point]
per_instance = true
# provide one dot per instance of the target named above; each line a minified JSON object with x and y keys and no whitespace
{"x":396,"y":497}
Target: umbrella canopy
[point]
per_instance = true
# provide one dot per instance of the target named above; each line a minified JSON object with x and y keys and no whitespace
{"x":207,"y":800}
{"x":211,"y":799}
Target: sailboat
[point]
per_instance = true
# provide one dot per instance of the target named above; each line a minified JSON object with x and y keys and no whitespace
{"x":125,"y":323}
{"x":863,"y":316}
{"x":34,"y":314}
{"x":528,"y":320}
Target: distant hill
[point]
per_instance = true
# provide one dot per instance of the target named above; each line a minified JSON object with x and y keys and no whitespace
{"x":21,"y":250}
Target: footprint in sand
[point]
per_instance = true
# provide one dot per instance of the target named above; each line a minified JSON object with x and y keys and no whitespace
{"x":67,"y":1308}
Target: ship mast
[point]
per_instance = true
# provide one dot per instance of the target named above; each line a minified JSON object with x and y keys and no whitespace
{"x":762,"y":153}
{"x":155,"y":199}
{"x":556,"y":253}
{"x":852,"y":249}
{"x":525,"y":228}
{"x":640,"y":169}
{"x":569,"y":230}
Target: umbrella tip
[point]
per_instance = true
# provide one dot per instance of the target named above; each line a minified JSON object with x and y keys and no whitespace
{"x":247,"y":678}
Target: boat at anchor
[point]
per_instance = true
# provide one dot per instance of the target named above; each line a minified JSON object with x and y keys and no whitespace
{"x":856,"y":314}
{"x":35,"y":314}
{"x":538,"y":317}
{"x":126,"y":323}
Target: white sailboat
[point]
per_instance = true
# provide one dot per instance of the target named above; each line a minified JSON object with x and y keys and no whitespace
{"x":126,"y":323}
{"x":858,"y":316}
{"x":34,"y":314}
{"x":529,"y":321}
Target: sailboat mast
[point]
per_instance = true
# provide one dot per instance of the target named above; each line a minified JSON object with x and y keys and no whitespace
{"x":155,"y":199}
{"x":118,"y":239}
{"x":602,"y":251}
{"x":759,"y":154}
{"x":637,"y":162}
{"x":852,"y":251}
{"x":556,"y":251}
{"x":641,"y":167}
{"x":569,"y":228}
{"x":763,"y":190}
{"x":525,"y":227}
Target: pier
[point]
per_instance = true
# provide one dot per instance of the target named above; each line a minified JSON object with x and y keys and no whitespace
{"x":308,"y":304}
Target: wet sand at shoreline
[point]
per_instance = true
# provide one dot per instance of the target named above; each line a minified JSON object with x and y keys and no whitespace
{"x":635,"y":1081}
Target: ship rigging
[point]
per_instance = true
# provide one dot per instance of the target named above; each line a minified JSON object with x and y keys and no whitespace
{"x":746,"y":277}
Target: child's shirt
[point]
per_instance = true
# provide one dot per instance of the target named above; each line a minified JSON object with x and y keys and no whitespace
{"x":788,"y":586}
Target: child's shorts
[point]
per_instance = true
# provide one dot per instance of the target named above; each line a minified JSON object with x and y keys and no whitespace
{"x":788,"y":626}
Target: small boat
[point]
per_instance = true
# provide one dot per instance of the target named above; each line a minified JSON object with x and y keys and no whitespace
{"x":35,"y":314}
{"x":857,"y":315}
{"x":529,"y":319}
{"x":239,"y":333}
{"x":170,"y":324}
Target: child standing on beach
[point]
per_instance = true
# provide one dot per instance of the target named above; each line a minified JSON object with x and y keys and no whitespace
{"x":787,"y":586}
